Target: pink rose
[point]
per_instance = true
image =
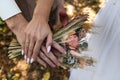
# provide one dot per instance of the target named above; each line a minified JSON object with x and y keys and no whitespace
{"x":74,"y":41}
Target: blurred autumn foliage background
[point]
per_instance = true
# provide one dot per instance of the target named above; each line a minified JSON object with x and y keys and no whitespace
{"x":17,"y":69}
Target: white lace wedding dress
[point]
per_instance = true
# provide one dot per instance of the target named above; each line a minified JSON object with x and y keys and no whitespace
{"x":104,"y":46}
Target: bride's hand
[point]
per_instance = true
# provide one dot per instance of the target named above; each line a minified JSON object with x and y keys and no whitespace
{"x":36,"y":32}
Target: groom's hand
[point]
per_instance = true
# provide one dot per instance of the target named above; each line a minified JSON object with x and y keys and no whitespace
{"x":17,"y":24}
{"x":51,"y":58}
{"x":48,"y":58}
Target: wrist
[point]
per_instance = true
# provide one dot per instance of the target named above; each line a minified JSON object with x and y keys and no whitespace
{"x":40,"y":17}
{"x":42,"y":9}
{"x":16,"y":23}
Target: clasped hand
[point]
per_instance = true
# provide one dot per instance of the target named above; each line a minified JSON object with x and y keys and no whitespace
{"x":38,"y":42}
{"x":35,"y":38}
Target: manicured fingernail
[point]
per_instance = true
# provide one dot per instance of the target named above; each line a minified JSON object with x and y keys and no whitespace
{"x":22,"y":52}
{"x":25,"y":57}
{"x":48,"y":49}
{"x":28,"y":60}
{"x":31,"y":61}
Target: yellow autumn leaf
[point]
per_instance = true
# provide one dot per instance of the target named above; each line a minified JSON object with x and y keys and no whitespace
{"x":17,"y":75}
{"x":46,"y":76}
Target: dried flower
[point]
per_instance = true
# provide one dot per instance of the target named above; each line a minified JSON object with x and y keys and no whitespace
{"x":70,"y":36}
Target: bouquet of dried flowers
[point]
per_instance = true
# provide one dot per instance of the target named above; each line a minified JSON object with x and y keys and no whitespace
{"x":71,"y":38}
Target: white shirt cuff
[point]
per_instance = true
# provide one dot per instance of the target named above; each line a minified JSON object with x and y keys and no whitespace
{"x":8,"y":8}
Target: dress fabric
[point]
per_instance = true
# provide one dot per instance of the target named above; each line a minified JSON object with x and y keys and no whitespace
{"x":104,"y":46}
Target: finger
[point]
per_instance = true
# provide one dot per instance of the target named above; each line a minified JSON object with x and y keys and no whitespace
{"x":26,"y":46}
{"x":36,"y":50}
{"x":41,"y":62}
{"x":30,"y":51}
{"x":58,"y":47}
{"x":49,"y":43}
{"x":56,"y":52}
{"x":74,"y":53}
{"x":46,"y":59}
{"x":51,"y":56}
{"x":54,"y":59}
{"x":23,"y":47}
